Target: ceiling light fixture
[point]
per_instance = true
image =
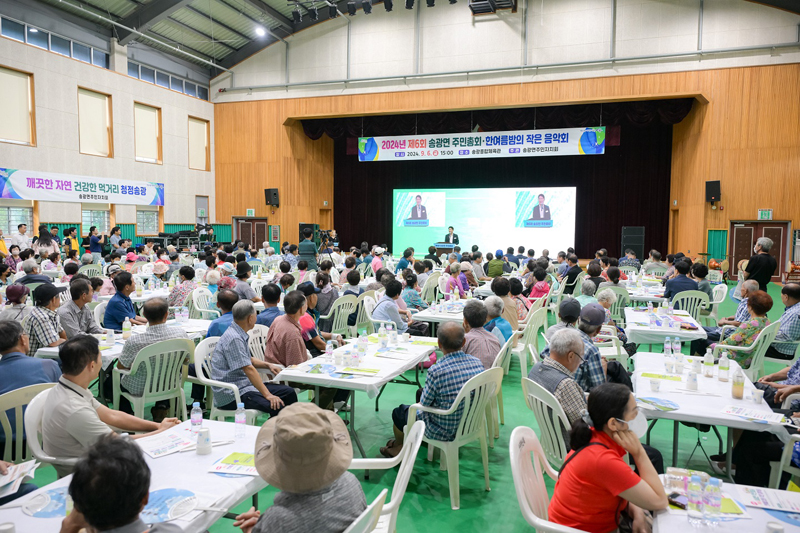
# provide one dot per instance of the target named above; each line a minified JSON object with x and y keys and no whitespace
{"x":409,"y":4}
{"x":296,"y":15}
{"x":367,"y":6}
{"x":351,"y":8}
{"x":387,"y":4}
{"x":332,"y":12}
{"x":33,"y":30}
{"x":260,"y":31}
{"x":431,"y":3}
{"x":314,"y":13}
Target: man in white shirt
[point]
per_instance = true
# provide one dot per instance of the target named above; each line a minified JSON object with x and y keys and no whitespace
{"x":20,"y":238}
{"x":73,"y":419}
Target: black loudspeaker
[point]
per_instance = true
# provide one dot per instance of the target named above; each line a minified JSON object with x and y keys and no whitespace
{"x":271,"y":197}
{"x":314,"y":228}
{"x":633,"y":238}
{"x":712,"y":191}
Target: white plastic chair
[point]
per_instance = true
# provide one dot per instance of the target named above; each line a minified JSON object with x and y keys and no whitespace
{"x":16,"y":400}
{"x":146,"y":269}
{"x":257,"y":344}
{"x":757,"y":349}
{"x":618,"y":308}
{"x":100,"y":313}
{"x":610,"y":346}
{"x":33,"y":431}
{"x":502,"y":360}
{"x":362,"y":319}
{"x":368,"y":520}
{"x":691,"y":302}
{"x":551,"y":419}
{"x":785,"y":464}
{"x":375,"y":324}
{"x":406,"y":458}
{"x":528,"y":466}
{"x":718,"y":296}
{"x":163,"y":364}
{"x":339,"y":313}
{"x":536,"y":304}
{"x":431,"y":285}
{"x":256,"y":265}
{"x":201,"y":300}
{"x":629,"y":270}
{"x":90,"y":270}
{"x":202,"y":367}
{"x":473,"y":399}
{"x":527,"y":350}
{"x":657,"y":271}
{"x":256,"y":284}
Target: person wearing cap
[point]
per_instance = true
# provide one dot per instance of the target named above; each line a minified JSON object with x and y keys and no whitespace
{"x":131,"y":257}
{"x":17,"y":296}
{"x":228,"y":280}
{"x":377,"y":260}
{"x":75,"y":315}
{"x":569,"y":310}
{"x":307,"y":249}
{"x":242,"y":287}
{"x":314,"y":338}
{"x":497,"y":265}
{"x":182,"y":290}
{"x":108,"y":284}
{"x":43,"y":326}
{"x":32,"y":275}
{"x":160,"y":271}
{"x":120,"y":306}
{"x":231,"y":363}
{"x":305,"y":453}
{"x":479,"y":342}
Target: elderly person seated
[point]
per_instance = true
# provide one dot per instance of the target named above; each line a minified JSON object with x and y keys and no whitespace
{"x":568,"y":312}
{"x":17,"y":297}
{"x":32,"y":275}
{"x":325,"y":299}
{"x":87,"y":259}
{"x":588,"y":288}
{"x":759,"y":304}
{"x":699,"y":271}
{"x":53,"y":262}
{"x":495,"y":323}
{"x":411,"y":293}
{"x":522,"y":304}
{"x":670,"y":268}
{"x":653,"y":262}
{"x":180,"y":293}
{"x":212,"y":279}
{"x":593,"y":272}
{"x":614,"y":275}
{"x":606,"y":298}
{"x":386,"y":310}
{"x":456,"y":283}
{"x":501,"y":287}
{"x":478,"y":341}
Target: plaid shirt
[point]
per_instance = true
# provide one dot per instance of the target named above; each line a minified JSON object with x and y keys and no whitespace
{"x":230,"y":357}
{"x":152,"y":335}
{"x":630,"y":263}
{"x":291,"y":259}
{"x":789,"y":330}
{"x":590,"y":373}
{"x":43,"y":327}
{"x":569,"y":395}
{"x":742,"y":313}
{"x":442,"y":385}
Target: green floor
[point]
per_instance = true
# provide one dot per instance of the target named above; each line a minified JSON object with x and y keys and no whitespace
{"x":426,"y":506}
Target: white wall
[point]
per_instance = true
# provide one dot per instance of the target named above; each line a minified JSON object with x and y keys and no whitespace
{"x":56,"y":81}
{"x":559,"y":31}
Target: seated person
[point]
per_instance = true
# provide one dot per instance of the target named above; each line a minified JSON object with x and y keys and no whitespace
{"x":653,"y":262}
{"x":539,"y":287}
{"x":456,"y":283}
{"x":406,"y":261}
{"x":108,"y":284}
{"x":680,"y":282}
{"x":109,"y":488}
{"x":70,"y":269}
{"x":521,"y":303}
{"x":785,"y":343}
{"x":212,"y":279}
{"x":387,"y":311}
{"x":155,"y":311}
{"x":611,"y":262}
{"x":630,"y":259}
{"x":325,"y":299}
{"x":593,"y":272}
{"x":349,"y":264}
{"x":322,"y":500}
{"x":742,"y":315}
{"x":411,"y":294}
{"x":120,"y":305}
{"x":302,"y":271}
{"x":315,"y":339}
{"x":286,"y":281}
{"x":443,"y":383}
{"x":568,"y":312}
{"x":597,"y":475}
{"x":698,"y":273}
{"x":242,"y":287}
{"x":496,"y":265}
{"x":53,"y":262}
{"x":73,"y":420}
{"x":232,"y":363}
{"x":478,"y":342}
{"x":495,"y":323}
{"x":432,"y":256}
{"x":75,"y":315}
{"x":180,"y":295}
{"x":43,"y":325}
{"x":422,"y":272}
{"x":571,"y":274}
{"x":759,"y":303}
{"x":32,"y":275}
{"x":614,"y":274}
{"x":588,"y":288}
{"x":352,"y":288}
{"x":271,"y":296}
{"x":501,"y":287}
{"x":607,"y":298}
{"x":17,"y":297}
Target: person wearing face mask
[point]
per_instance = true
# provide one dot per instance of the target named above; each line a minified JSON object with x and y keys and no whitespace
{"x":612,"y":497}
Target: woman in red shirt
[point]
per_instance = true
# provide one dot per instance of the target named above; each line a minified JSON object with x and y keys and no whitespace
{"x":596,"y":489}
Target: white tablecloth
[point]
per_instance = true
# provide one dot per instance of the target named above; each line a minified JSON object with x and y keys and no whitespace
{"x":55,"y":274}
{"x":146,"y":295}
{"x":698,"y":408}
{"x":453,"y":314}
{"x":388,"y":369}
{"x":646,"y":293}
{"x":187,"y":471}
{"x":642,"y":334}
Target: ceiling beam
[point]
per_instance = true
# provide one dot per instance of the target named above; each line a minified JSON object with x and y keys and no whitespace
{"x":218,"y":23}
{"x":148,"y":15}
{"x":201,"y":34}
{"x":166,"y":39}
{"x":283,"y":21}
{"x":247,"y":50}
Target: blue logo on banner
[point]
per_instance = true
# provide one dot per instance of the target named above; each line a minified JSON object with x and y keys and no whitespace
{"x":538,"y":223}
{"x":410,"y":223}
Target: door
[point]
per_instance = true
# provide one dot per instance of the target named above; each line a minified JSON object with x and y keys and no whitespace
{"x":253,"y":231}
{"x":745,"y":235}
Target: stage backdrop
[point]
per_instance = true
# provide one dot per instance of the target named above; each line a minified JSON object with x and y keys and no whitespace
{"x":627,"y":186}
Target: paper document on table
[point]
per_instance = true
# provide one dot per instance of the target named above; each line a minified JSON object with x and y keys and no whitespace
{"x":753,"y":415}
{"x":238,"y":463}
{"x":661,"y":376}
{"x":360,"y":371}
{"x":163,"y":444}
{"x":778,"y":500}
{"x":17,"y":475}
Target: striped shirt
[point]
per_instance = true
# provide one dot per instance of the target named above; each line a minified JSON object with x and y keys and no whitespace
{"x":153,"y":334}
{"x":789,"y":330}
{"x":230,"y":358}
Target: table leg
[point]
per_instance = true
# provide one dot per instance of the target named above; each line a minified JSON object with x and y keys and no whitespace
{"x":378,"y":398}
{"x":649,"y":429}
{"x":675,"y":430}
{"x":353,"y":429}
{"x":729,"y":456}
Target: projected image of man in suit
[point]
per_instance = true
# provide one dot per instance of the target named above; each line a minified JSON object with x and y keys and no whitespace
{"x":541,"y":211}
{"x":418,"y":212}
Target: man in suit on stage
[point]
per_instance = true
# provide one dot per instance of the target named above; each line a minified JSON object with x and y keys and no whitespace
{"x":541,"y":211}
{"x":418,"y":212}
{"x":451,"y":237}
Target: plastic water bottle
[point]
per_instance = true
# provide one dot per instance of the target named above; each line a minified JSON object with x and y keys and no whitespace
{"x":240,"y":420}
{"x":649,"y":307}
{"x":695,"y":508}
{"x":708,"y":364}
{"x":126,"y":329}
{"x":712,"y":502}
{"x":652,"y":322}
{"x":197,"y":418}
{"x":667,"y":348}
{"x":671,"y":309}
{"x":329,"y":351}
{"x":382,"y":336}
{"x":724,"y":367}
{"x":392,"y":335}
{"x":676,"y":347}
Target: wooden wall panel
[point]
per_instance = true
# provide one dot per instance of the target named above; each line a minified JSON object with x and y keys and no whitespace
{"x":743,"y":131}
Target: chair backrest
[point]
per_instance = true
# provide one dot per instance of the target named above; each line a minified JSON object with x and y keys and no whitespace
{"x":691,"y":301}
{"x":257,"y":285}
{"x":618,"y":308}
{"x":629,"y":270}
{"x":370,"y":517}
{"x":537,"y":304}
{"x":759,"y":349}
{"x":503,"y":357}
{"x":340,"y":311}
{"x":718,"y":294}
{"x":429,"y":289}
{"x":257,"y":341}
{"x":528,"y":466}
{"x":201,"y":302}
{"x":411,"y":445}
{"x":657,"y":271}
{"x":475,"y":395}
{"x":91,"y":270}
{"x":202,"y":358}
{"x":362,"y":319}
{"x":65,"y":296}
{"x":442,"y":282}
{"x":256,"y":265}
{"x":551,"y":419}
{"x":361,"y":268}
{"x":100,"y":313}
{"x":335,"y":276}
{"x":15,"y":401}
{"x":163,"y":363}
{"x":531,"y":332}
{"x":33,"y":431}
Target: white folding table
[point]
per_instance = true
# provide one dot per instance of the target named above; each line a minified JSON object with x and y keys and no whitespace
{"x":637,"y":327}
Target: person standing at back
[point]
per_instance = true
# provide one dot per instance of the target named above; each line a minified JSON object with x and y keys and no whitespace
{"x":307,"y":250}
{"x":761,"y":266}
{"x":96,"y":244}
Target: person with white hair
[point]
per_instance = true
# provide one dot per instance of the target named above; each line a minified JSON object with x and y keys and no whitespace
{"x":607,"y":298}
{"x":742,"y":314}
{"x":32,"y":275}
{"x":761,"y":266}
{"x":212,"y":278}
{"x":495,"y":323}
{"x":87,"y":259}
{"x":588,"y":288}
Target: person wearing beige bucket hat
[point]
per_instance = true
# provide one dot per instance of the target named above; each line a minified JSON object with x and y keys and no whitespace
{"x":305,"y":452}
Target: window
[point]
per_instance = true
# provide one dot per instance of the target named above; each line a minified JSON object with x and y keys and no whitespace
{"x":81,"y":52}
{"x":147,"y":222}
{"x":162,"y":79}
{"x":147,"y":133}
{"x":37,"y":37}
{"x":148,"y":74}
{"x":99,"y":218}
{"x":94,"y":123}
{"x":133,"y":70}
{"x":198,"y":144}
{"x":191,"y":89}
{"x":13,"y":30}
{"x":202,"y":92}
{"x":11,"y":217}
{"x":16,"y":107}
{"x":99,"y":59}
{"x":60,"y":45}
{"x":176,"y":84}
